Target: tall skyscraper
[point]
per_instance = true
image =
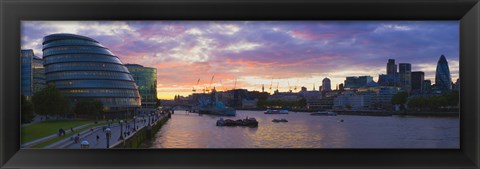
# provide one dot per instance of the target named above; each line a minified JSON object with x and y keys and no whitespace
{"x":146,"y":80}
{"x":392,"y":77}
{"x":391,"y":67}
{"x":405,"y":71}
{"x":443,"y":80}
{"x":83,"y":69}
{"x":417,"y":81}
{"x":326,"y":86}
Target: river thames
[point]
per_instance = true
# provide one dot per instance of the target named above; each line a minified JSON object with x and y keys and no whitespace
{"x":189,"y":130}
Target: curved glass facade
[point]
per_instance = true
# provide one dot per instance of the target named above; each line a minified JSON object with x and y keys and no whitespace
{"x":442,"y":76}
{"x":146,"y":80}
{"x":81,"y":68}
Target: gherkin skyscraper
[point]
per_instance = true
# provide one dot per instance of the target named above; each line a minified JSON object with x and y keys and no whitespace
{"x":443,"y":81}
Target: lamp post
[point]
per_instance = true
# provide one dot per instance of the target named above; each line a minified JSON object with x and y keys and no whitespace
{"x":84,"y":144}
{"x":134,"y":123}
{"x":121,"y":130}
{"x":149,"y":119}
{"x":108,"y":134}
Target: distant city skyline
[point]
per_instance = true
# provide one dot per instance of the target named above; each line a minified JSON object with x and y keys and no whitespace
{"x":247,"y":54}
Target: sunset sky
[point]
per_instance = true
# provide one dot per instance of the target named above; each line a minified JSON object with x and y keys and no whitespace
{"x":299,"y":53}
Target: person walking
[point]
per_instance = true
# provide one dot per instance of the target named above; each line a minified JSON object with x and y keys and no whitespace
{"x":98,"y":138}
{"x":77,"y":138}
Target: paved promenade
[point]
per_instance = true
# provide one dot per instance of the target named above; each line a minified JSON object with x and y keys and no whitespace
{"x":37,"y":141}
{"x":91,"y":137}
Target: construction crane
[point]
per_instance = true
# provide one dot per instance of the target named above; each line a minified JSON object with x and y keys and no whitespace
{"x":221,"y":84}
{"x":210,"y":85}
{"x":194,"y":90}
{"x":271,"y":85}
{"x":235,"y":85}
{"x":277,"y":85}
{"x":289,"y":87}
{"x":295,"y":88}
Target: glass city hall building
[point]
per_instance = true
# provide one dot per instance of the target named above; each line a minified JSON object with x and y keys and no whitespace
{"x":82,"y":69}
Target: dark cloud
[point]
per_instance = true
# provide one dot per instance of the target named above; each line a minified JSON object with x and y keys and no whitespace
{"x":184,"y":51}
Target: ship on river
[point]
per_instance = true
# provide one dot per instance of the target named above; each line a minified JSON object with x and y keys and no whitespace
{"x":270,"y":111}
{"x":211,"y":105}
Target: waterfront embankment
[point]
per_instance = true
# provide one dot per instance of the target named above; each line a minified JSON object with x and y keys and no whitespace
{"x":144,"y":135}
{"x":400,"y":113}
{"x":371,"y":112}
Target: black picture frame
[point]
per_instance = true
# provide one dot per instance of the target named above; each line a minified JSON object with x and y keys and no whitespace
{"x":12,"y":12}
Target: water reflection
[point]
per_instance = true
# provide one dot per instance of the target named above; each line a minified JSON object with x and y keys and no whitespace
{"x":304,"y":131}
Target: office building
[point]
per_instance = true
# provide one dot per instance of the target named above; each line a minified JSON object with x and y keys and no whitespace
{"x":326,"y":85}
{"x":83,"y":69}
{"x":32,"y":73}
{"x":405,"y":72}
{"x":353,"y":82}
{"x":443,"y":80}
{"x":353,"y":102}
{"x":427,"y":86}
{"x":146,"y":80}
{"x":417,"y":81}
{"x":457,"y":85}
{"x":391,"y":67}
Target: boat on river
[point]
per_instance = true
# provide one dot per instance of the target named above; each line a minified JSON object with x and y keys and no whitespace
{"x":250,"y":122}
{"x":279,"y":120}
{"x":270,"y":111}
{"x":328,"y":113}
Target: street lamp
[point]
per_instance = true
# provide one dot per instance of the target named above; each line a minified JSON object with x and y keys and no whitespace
{"x":108,"y":134}
{"x":134,"y":123}
{"x":148,"y":119}
{"x":121,"y":130}
{"x":84,"y":144}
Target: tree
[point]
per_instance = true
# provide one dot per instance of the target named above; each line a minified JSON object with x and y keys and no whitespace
{"x":26,"y":110}
{"x":97,"y":108}
{"x":158,"y":103}
{"x":400,"y":98}
{"x":302,"y":103}
{"x":89,"y":107}
{"x":50,"y":101}
{"x":452,"y":98}
{"x":417,"y":102}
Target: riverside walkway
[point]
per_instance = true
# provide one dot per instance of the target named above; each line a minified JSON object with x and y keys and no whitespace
{"x":40,"y":140}
{"x":91,"y":136}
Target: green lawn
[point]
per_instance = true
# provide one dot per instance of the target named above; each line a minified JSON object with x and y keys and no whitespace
{"x":55,"y":139}
{"x":46,"y":128}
